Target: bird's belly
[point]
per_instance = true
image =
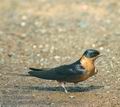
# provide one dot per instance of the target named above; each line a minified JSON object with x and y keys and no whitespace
{"x":79,"y":78}
{"x":74,"y":79}
{"x":83,"y":78}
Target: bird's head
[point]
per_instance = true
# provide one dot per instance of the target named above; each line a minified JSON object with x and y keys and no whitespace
{"x":91,"y":54}
{"x":88,"y":58}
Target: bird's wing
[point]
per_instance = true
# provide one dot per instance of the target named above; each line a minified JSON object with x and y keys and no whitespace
{"x":66,"y":71}
{"x":59,"y":73}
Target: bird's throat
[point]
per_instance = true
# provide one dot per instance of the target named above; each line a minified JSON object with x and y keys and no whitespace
{"x":88,"y":64}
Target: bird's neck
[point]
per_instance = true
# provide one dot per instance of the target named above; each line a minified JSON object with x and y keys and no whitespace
{"x":87,"y":63}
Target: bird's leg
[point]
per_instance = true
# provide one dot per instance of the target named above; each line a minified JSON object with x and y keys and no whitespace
{"x":96,"y":71}
{"x":63,"y":86}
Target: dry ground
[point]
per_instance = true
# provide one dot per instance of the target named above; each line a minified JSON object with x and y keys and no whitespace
{"x":46,"y":33}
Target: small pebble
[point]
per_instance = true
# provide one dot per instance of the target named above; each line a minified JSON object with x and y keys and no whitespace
{"x":40,"y":46}
{"x":25,"y":68}
{"x":108,"y":21}
{"x":108,"y":50}
{"x":2,"y":61}
{"x":118,"y":79}
{"x":36,"y":23}
{"x":34,"y":46}
{"x":57,"y":57}
{"x":118,"y":62}
{"x":83,"y":24}
{"x":1,"y":49}
{"x":42,"y":59}
{"x":71,"y":97}
{"x":33,"y":95}
{"x":52,"y":103}
{"x":41,"y":64}
{"x":67,"y":57}
{"x":43,"y":31}
{"x":45,"y":50}
{"x":21,"y":61}
{"x":23,"y":35}
{"x":108,"y":92}
{"x":1,"y":32}
{"x":101,"y":48}
{"x":23,"y":24}
{"x":93,"y":45}
{"x":38,"y":55}
{"x":24,"y":17}
{"x":113,"y":57}
{"x":10,"y":55}
{"x":52,"y":49}
{"x":61,"y":30}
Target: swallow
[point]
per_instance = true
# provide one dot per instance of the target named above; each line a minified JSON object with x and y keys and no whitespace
{"x":75,"y":72}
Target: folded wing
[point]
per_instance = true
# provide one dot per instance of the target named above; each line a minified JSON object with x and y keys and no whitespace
{"x":58,"y":73}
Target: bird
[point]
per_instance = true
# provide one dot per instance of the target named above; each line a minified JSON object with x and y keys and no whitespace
{"x":75,"y":72}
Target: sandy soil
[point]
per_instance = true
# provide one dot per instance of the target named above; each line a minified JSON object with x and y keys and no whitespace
{"x":47,"y":33}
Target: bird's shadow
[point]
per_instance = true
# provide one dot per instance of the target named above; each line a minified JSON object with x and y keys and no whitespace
{"x":59,"y":88}
{"x":81,"y":88}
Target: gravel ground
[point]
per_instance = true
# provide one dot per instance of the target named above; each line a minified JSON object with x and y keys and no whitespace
{"x":47,"y":33}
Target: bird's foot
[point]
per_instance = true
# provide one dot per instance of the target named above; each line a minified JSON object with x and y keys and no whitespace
{"x":63,"y":86}
{"x":65,"y":91}
{"x":96,"y":71}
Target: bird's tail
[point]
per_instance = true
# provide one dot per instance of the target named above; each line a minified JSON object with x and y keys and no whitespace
{"x":35,"y":69}
{"x":41,"y":73}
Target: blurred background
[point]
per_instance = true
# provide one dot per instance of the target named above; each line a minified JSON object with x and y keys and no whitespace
{"x":47,"y":33}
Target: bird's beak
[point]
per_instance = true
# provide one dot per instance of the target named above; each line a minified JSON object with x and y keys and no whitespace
{"x":99,"y":56}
